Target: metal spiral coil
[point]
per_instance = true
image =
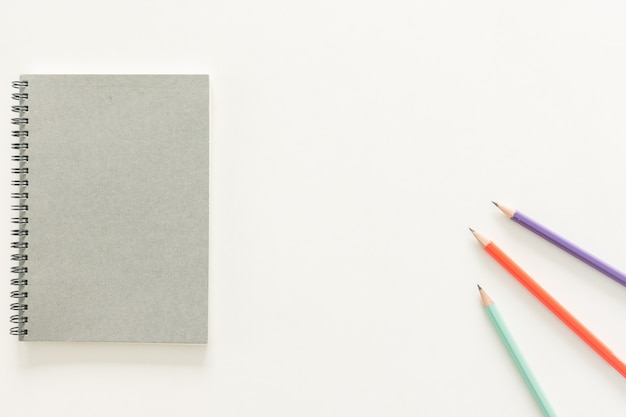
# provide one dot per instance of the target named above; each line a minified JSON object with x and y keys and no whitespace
{"x":20,"y":306}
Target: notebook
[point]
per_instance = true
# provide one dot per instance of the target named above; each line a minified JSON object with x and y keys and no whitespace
{"x":111,"y":208}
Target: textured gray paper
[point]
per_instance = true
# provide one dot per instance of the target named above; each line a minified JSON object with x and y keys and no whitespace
{"x":118,"y":208}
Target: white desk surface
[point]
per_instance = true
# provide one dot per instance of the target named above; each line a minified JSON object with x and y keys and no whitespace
{"x":353,"y":143}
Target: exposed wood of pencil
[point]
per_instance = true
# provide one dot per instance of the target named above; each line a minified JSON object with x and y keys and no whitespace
{"x":508,"y":211}
{"x":484,"y":298}
{"x":480,"y":238}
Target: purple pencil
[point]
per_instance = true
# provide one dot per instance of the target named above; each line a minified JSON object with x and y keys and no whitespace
{"x":562,"y":243}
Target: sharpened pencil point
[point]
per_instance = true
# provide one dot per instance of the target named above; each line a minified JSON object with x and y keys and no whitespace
{"x":471,"y":230}
{"x":508,"y":211}
{"x":484,"y":298}
{"x":480,"y":238}
{"x":479,"y":287}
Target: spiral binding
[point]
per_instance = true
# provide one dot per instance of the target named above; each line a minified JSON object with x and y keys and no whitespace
{"x":20,"y":295}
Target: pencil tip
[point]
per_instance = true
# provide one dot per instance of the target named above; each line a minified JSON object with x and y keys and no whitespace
{"x":480,"y":238}
{"x":508,"y":212}
{"x":471,"y":230}
{"x":479,"y":287}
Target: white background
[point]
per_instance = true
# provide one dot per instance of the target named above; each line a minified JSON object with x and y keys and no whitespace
{"x":353,"y":143}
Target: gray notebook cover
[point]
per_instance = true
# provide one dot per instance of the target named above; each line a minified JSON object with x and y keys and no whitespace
{"x":118,"y":197}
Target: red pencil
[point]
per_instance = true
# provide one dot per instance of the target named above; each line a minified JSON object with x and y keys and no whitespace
{"x":553,"y":305}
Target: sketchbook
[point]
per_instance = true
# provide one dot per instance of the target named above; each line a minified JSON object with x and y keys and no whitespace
{"x":111,"y":208}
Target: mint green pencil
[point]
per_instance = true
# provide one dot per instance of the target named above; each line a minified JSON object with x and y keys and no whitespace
{"x":516,"y":354}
